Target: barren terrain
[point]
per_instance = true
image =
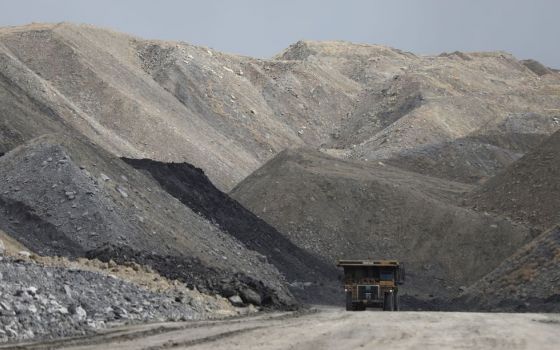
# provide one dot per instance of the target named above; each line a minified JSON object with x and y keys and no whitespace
{"x":228,"y":114}
{"x":528,"y":190}
{"x":335,"y":329}
{"x":341,"y":209}
{"x":237,"y":182}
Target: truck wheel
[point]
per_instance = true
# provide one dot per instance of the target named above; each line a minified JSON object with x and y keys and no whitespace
{"x":388,"y":302}
{"x":349,"y":306}
{"x":396,"y":302}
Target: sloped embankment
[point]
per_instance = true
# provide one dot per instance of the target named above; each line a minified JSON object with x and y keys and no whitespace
{"x":191,"y":186}
{"x":528,"y":190}
{"x":344,"y":209}
{"x":528,"y":280}
{"x":228,"y":114}
{"x":50,"y":301}
{"x":61,"y":196}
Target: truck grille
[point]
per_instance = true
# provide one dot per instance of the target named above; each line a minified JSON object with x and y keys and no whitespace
{"x":368,"y":292}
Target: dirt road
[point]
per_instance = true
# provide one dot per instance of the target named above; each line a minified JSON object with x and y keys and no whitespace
{"x":335,"y":329}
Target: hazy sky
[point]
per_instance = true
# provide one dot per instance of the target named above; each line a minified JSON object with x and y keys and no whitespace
{"x":528,"y":29}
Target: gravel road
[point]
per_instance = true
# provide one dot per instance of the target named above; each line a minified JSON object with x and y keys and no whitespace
{"x":335,"y":329}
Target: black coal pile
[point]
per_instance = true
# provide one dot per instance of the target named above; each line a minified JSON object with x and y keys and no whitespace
{"x":192,"y":187}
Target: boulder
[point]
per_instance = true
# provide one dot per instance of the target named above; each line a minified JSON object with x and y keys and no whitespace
{"x":236,"y":300}
{"x":249,"y":296}
{"x":31,"y":291}
{"x":81,"y":314}
{"x":227,"y":290}
{"x":24,"y":253}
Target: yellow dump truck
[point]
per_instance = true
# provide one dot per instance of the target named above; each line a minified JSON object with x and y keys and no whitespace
{"x":372,"y":283}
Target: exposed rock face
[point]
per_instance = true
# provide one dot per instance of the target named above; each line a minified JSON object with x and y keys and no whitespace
{"x":528,"y":190}
{"x":229,"y":114}
{"x":174,"y":102}
{"x":55,"y":200}
{"x":457,"y":118}
{"x":39,"y":301}
{"x":414,"y":103}
{"x":528,"y":280}
{"x":482,"y":154}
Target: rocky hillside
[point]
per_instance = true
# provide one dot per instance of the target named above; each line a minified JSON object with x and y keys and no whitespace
{"x":61,"y":196}
{"x":301,"y":268}
{"x":347,"y":209}
{"x":528,"y":190}
{"x":229,"y":114}
{"x":528,"y":280}
{"x":174,"y":101}
{"x":419,"y":107}
{"x":49,"y":297}
{"x":331,"y":149}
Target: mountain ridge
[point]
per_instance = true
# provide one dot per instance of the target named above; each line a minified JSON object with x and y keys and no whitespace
{"x":242,"y":111}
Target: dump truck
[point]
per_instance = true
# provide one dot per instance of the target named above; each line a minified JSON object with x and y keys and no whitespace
{"x":372,"y":283}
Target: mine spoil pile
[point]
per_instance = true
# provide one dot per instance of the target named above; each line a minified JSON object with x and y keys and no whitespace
{"x":146,"y":180}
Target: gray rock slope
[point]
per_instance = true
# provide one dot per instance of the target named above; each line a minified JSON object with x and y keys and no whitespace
{"x":527,"y":190}
{"x":51,"y":302}
{"x":458,"y":116}
{"x":346,"y":209}
{"x":300,"y":267}
{"x":528,"y":280}
{"x":228,"y":114}
{"x":62,"y":196}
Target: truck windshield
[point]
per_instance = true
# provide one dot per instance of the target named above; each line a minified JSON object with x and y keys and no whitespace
{"x":357,"y":273}
{"x":386,"y":275}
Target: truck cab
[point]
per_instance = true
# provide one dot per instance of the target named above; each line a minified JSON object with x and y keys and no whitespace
{"x":372,"y":283}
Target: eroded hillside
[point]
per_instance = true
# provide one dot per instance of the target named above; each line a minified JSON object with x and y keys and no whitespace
{"x":346,"y":209}
{"x":61,"y":196}
{"x":528,"y":190}
{"x":335,"y":149}
{"x":528,"y":280}
{"x":229,"y":114}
